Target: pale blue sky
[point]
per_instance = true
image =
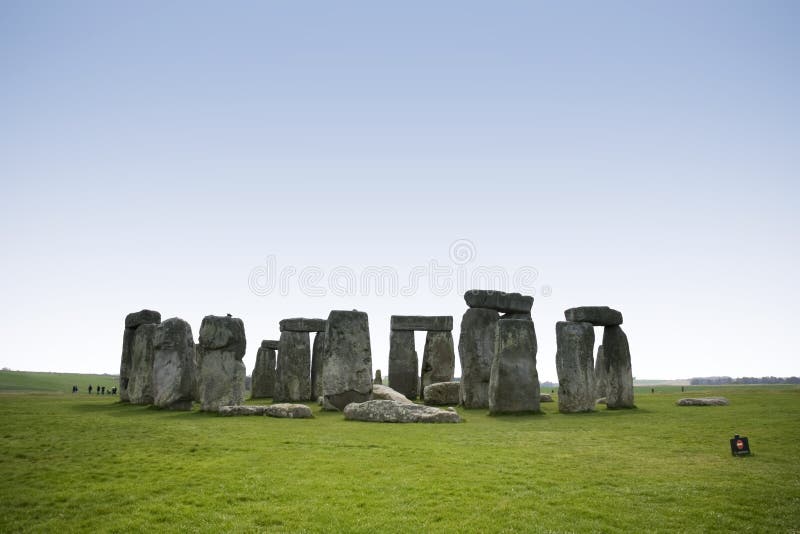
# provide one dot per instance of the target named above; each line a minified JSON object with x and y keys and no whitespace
{"x":642,"y":155}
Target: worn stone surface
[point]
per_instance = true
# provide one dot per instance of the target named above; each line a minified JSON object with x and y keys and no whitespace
{"x":514,"y":381}
{"x":220,"y":370}
{"x":618,"y":368}
{"x":422,"y":322}
{"x":545,"y":397}
{"x":386,"y":411}
{"x":378,"y":379}
{"x":289,"y":411}
{"x":317,"y":363}
{"x":600,"y":378}
{"x":443,"y":394}
{"x":380,"y":392}
{"x":704,"y":401}
{"x":301,"y":324}
{"x":499,"y":301}
{"x":476,"y":352}
{"x":263,"y":376}
{"x":293,"y":371}
{"x":403,"y":363}
{"x":347,"y":371}
{"x":140,"y":385}
{"x":273,"y":344}
{"x":597,"y":315}
{"x":132,"y":322}
{"x":438,"y":360}
{"x":575,"y":367}
{"x":242,"y":410}
{"x":135,"y":319}
{"x":173,"y":365}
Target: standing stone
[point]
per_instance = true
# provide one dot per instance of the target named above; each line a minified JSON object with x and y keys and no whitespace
{"x":221,"y":372}
{"x":600,"y":378}
{"x":132,"y":322}
{"x":438,"y":359}
{"x":347,"y":372}
{"x":403,"y":363}
{"x":293,"y":374}
{"x":140,"y":386}
{"x":317,"y":361}
{"x":173,"y":365}
{"x":378,"y":380}
{"x":263,"y":379}
{"x":618,"y":368}
{"x":476,"y":353}
{"x":514,"y":382}
{"x":575,"y":367}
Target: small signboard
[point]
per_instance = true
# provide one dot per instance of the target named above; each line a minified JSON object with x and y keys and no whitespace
{"x":740,"y":446}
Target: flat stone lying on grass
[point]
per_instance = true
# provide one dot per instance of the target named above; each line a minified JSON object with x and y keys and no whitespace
{"x":242,"y":410}
{"x":704,"y":401}
{"x":289,"y":411}
{"x":386,"y":411}
{"x":380,"y":392}
{"x":546,"y":397}
{"x":442,"y":394}
{"x":597,"y":315}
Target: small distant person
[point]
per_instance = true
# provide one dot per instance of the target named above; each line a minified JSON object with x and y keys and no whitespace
{"x":114,"y":390}
{"x":104,"y":390}
{"x":652,"y":390}
{"x":681,"y":389}
{"x":90,"y":389}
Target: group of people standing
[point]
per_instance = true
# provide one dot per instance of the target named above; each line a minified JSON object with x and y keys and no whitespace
{"x":100,"y":390}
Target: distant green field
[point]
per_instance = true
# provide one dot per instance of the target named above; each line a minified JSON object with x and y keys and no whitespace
{"x":53,"y":382}
{"x":86,"y":463}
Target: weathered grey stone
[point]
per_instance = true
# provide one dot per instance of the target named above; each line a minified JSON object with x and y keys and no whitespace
{"x":443,"y":394}
{"x":132,"y":322}
{"x":220,"y":370}
{"x":289,"y":411}
{"x":378,"y":379}
{"x":525,"y":316}
{"x":273,"y":344}
{"x":347,"y":371}
{"x":301,"y":324}
{"x":575,"y":367}
{"x":704,"y":401}
{"x":403,"y":363}
{"x":514,"y":381}
{"x":135,"y":319}
{"x":597,"y":315}
{"x":476,"y":352}
{"x":438,"y":359}
{"x":140,"y":385}
{"x":293,"y":372}
{"x":422,"y":322}
{"x":317,"y":363}
{"x":499,"y":301}
{"x":600,"y":378}
{"x":618,"y":368}
{"x":173,"y":365}
{"x":242,"y":410}
{"x":380,"y":392}
{"x":386,"y":411}
{"x":263,"y":378}
{"x":545,"y":397}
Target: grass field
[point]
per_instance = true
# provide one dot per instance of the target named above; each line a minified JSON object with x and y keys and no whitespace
{"x":87,"y":463}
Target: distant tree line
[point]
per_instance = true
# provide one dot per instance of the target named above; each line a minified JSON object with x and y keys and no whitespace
{"x":722,"y":380}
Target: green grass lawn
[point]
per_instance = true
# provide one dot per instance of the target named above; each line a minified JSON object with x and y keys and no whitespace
{"x":87,"y":463}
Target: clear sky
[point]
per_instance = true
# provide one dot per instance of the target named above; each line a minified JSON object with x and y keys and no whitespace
{"x":171,"y":155}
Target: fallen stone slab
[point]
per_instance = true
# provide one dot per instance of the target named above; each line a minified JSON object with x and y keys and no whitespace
{"x":386,"y":411}
{"x":380,"y":392}
{"x":597,"y":315}
{"x":442,"y":394}
{"x":546,"y":397}
{"x":430,"y":323}
{"x":242,"y":410}
{"x":301,"y":324}
{"x":499,"y":301}
{"x":272,"y":344}
{"x":289,"y":411}
{"x":704,"y":401}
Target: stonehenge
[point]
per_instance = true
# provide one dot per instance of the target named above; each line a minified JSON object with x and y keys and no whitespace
{"x":263,"y":377}
{"x":387,"y":411}
{"x":132,"y":322}
{"x":514,"y":381}
{"x":293,"y":371}
{"x":347,"y":368}
{"x":619,"y":392}
{"x":173,"y":365}
{"x":442,"y":394}
{"x":317,"y":357}
{"x":140,"y":383}
{"x":575,"y":367}
{"x":438,"y":358}
{"x":378,"y":380}
{"x":220,"y":370}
